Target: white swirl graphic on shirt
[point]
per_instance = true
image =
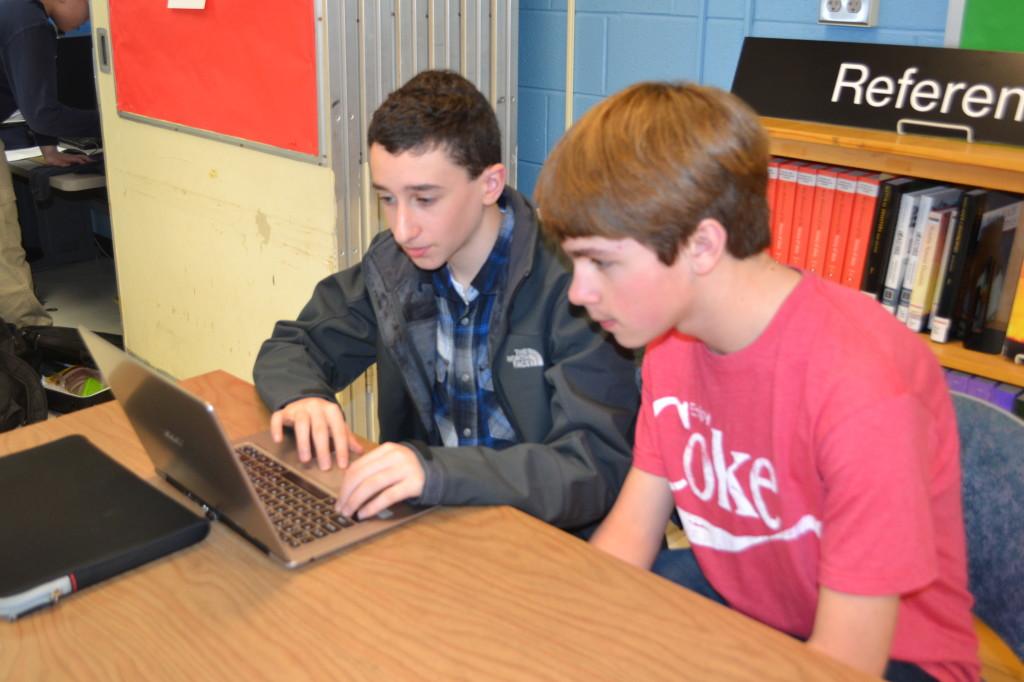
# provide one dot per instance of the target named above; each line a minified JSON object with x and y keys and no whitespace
{"x":700,"y":532}
{"x":739,"y":483}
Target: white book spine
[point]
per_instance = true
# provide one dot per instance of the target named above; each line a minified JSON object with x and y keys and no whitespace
{"x":898,"y":254}
{"x":937,"y":199}
{"x":927,"y":264}
{"x":918,"y":221}
{"x":940,"y":327}
{"x":947,"y":251}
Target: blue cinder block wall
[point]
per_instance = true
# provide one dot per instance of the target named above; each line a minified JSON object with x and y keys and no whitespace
{"x":619,"y":42}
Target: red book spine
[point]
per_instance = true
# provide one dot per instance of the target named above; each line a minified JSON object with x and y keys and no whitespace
{"x":839,"y":231}
{"x":821,"y":217}
{"x":803,"y":205}
{"x":864,"y":203}
{"x":785,"y":196}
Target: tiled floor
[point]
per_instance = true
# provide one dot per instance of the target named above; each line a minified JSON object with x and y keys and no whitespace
{"x":81,"y":293}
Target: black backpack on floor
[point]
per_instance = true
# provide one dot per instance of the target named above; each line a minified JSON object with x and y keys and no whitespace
{"x":59,"y":344}
{"x":22,"y":398}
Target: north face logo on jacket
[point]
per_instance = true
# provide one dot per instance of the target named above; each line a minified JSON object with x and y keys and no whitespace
{"x":521,"y":358}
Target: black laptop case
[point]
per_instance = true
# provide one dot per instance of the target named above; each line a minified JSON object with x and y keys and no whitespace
{"x":71,"y":516}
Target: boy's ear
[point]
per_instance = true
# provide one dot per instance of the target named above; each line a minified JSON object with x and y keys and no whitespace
{"x":706,"y":245}
{"x":493,"y":178}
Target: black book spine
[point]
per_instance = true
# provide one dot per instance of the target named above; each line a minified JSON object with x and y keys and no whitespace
{"x":884,"y":232}
{"x":882,"y":228}
{"x":962,"y":288}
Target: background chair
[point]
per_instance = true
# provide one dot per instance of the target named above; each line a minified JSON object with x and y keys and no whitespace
{"x":992,"y":460}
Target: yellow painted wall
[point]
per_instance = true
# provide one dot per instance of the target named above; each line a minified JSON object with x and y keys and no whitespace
{"x":213,"y":243}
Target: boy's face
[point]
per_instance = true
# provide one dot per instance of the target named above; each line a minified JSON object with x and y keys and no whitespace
{"x":626,"y":289}
{"x":433,"y":208}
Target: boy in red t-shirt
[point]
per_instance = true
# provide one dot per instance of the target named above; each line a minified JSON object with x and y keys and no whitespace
{"x":804,"y":436}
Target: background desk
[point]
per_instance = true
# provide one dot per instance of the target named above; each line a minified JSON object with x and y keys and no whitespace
{"x":472,"y":593}
{"x":69,"y":182}
{"x":60,"y":230}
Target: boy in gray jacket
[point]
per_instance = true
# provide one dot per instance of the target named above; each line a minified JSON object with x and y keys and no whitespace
{"x":492,"y":388}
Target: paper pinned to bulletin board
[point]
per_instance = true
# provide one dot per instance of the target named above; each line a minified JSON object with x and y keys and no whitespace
{"x":242,"y":70}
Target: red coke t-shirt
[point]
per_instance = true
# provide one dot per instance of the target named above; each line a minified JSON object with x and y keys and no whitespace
{"x":825,"y":453}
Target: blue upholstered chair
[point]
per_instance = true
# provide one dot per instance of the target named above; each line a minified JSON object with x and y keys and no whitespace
{"x":992,"y":459}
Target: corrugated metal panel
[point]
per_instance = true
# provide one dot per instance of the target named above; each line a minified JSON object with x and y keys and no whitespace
{"x":373,"y":47}
{"x":446,"y":34}
{"x":505,"y":78}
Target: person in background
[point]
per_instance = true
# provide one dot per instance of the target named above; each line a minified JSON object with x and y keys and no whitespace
{"x":28,"y":82}
{"x":805,"y":437}
{"x":491,"y":388}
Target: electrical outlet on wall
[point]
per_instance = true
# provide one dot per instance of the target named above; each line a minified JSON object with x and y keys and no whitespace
{"x":849,"y":12}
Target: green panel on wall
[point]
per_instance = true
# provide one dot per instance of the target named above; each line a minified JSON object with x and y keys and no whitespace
{"x":993,"y":25}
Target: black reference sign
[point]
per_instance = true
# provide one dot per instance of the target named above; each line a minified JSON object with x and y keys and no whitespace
{"x":971,"y":94}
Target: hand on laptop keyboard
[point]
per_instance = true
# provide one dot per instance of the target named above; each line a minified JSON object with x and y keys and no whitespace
{"x":320,"y":429}
{"x":382,"y":477}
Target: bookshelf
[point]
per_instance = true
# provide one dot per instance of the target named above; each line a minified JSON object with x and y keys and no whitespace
{"x":954,"y":356}
{"x":975,"y":164}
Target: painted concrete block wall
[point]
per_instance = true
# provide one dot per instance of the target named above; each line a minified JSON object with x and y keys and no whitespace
{"x":619,"y":42}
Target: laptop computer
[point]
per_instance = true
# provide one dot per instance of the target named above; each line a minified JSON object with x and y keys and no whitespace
{"x":257,"y":487}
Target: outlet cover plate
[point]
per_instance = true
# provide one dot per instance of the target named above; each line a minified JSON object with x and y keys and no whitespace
{"x":849,"y":12}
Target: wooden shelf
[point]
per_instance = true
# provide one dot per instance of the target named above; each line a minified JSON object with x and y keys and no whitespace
{"x":975,"y":164}
{"x":955,"y":356}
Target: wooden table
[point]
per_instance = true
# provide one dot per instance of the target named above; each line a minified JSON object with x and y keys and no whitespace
{"x":471,"y":593}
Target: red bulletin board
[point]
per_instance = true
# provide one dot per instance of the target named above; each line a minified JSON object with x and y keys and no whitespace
{"x":245,"y":69}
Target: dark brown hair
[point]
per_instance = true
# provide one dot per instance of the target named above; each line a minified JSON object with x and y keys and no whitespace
{"x":439,"y":109}
{"x":652,"y":161}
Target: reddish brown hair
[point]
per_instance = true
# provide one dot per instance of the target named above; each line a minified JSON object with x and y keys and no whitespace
{"x":650,"y":162}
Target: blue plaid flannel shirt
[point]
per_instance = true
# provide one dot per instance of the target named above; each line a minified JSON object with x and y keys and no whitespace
{"x":466,"y":408}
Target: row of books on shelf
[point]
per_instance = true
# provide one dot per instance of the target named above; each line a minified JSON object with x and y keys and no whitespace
{"x":945,"y":259}
{"x":1003,"y":395}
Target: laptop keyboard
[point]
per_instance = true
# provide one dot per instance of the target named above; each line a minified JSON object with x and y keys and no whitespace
{"x":300,"y":512}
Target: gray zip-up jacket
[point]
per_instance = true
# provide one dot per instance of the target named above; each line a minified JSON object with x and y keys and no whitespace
{"x":569,"y":392}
